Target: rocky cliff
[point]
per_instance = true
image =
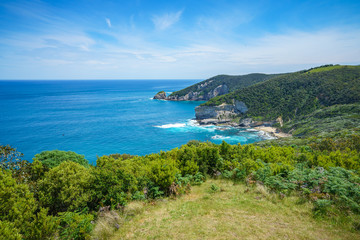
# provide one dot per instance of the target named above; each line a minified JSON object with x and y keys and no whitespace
{"x":160,"y":95}
{"x":199,"y":94}
{"x":224,"y":113}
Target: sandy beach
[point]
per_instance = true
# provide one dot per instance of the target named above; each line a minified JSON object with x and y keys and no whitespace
{"x":272,"y":131}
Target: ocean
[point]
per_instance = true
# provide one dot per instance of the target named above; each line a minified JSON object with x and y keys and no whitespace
{"x":100,"y":117}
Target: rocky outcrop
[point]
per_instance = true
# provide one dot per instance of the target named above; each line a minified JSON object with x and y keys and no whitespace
{"x":160,"y":95}
{"x":199,"y":94}
{"x":240,"y":107}
{"x":191,"y":96}
{"x":224,"y":113}
{"x":250,"y":123}
{"x":203,"y":85}
{"x":219,"y":90}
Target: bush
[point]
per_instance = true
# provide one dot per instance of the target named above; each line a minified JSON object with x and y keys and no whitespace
{"x":198,"y":179}
{"x":214,"y":188}
{"x":74,"y":225}
{"x":54,"y":158}
{"x":115,"y":180}
{"x":321,"y":207}
{"x":8,"y":231}
{"x":154,"y":192}
{"x":162,"y":173}
{"x":19,"y":207}
{"x":66,"y":187}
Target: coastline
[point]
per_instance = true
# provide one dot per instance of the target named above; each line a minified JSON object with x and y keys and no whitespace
{"x":272,"y":131}
{"x":266,"y":129}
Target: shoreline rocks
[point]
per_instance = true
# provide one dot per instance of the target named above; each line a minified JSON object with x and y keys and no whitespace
{"x":223,"y":112}
{"x":160,"y":95}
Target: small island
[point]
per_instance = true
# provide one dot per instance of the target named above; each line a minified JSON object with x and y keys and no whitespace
{"x":160,"y":95}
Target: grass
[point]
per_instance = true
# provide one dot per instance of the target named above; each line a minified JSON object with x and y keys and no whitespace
{"x":328,"y":68}
{"x":218,"y":209}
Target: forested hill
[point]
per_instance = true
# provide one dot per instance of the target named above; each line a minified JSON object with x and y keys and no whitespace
{"x":294,"y":94}
{"x":218,"y":85}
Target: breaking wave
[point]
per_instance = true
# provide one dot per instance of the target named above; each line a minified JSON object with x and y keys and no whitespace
{"x":216,"y":134}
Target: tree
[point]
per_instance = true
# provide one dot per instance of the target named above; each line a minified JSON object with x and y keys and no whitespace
{"x":54,"y":158}
{"x":65,"y":188}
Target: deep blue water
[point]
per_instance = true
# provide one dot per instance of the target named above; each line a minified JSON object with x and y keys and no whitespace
{"x":95,"y":118}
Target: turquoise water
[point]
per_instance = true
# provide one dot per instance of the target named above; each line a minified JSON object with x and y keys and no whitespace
{"x":95,"y":118}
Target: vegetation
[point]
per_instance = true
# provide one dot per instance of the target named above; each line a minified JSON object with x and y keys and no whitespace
{"x":232,"y":82}
{"x":64,"y":200}
{"x":237,"y":211}
{"x":297,"y":94}
{"x":54,"y":158}
{"x":334,"y":121}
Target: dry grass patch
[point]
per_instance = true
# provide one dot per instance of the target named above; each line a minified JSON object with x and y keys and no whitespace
{"x":234,"y":213}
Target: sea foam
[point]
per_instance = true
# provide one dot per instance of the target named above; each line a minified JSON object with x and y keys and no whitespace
{"x":172,"y":125}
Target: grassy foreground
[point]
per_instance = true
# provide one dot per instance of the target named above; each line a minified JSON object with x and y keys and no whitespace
{"x":223,"y":211}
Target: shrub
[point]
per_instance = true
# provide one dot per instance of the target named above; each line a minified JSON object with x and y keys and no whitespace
{"x":8,"y":231}
{"x":321,"y":207}
{"x":66,"y":187}
{"x":54,"y":158}
{"x":162,"y":173}
{"x":138,"y":196}
{"x":154,"y":192}
{"x":187,"y":160}
{"x":115,"y":179}
{"x":214,"y":188}
{"x":19,"y":207}
{"x":74,"y":225}
{"x":198,"y":179}
{"x":279,"y":184}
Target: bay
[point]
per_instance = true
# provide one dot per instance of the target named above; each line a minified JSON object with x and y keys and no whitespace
{"x":100,"y":117}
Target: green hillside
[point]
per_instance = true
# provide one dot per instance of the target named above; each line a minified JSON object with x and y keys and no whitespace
{"x":326,"y":121}
{"x":296,"y":94}
{"x":232,"y":82}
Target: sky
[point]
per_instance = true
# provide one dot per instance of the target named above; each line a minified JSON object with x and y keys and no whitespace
{"x":197,"y":39}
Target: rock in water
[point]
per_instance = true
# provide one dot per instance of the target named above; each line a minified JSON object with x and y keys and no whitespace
{"x":160,"y":95}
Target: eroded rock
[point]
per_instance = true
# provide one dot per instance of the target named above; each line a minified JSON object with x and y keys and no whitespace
{"x":160,"y":95}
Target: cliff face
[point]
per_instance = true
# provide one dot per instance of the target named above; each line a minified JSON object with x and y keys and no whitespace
{"x":223,"y":113}
{"x":199,"y":94}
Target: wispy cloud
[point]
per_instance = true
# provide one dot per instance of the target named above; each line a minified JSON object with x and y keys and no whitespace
{"x":58,"y":45}
{"x":108,"y":22}
{"x":291,"y":51}
{"x":165,"y":21}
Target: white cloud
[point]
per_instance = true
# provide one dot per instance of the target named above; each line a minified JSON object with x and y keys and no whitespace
{"x":139,"y":57}
{"x":167,"y":20}
{"x":108,"y":22}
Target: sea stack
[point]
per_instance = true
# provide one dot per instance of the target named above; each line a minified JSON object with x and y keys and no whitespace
{"x":160,"y":95}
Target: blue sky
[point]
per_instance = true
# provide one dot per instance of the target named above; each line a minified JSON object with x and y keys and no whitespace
{"x":92,"y":39}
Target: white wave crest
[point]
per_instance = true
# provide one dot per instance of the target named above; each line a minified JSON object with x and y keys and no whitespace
{"x":251,"y":130}
{"x":265,"y":135}
{"x":219,"y":137}
{"x":172,"y":125}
